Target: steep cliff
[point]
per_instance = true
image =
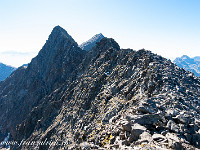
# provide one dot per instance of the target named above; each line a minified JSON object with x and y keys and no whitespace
{"x":26,"y":87}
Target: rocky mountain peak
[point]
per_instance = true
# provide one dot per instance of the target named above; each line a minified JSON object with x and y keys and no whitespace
{"x":185,"y":57}
{"x":58,"y":37}
{"x":104,"y":98}
{"x":53,"y":66}
{"x":57,"y":50}
{"x":59,"y":32}
{"x":107,"y":43}
{"x":91,"y":42}
{"x":100,"y":35}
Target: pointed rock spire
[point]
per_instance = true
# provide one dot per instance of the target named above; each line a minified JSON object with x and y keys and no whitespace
{"x":91,"y":42}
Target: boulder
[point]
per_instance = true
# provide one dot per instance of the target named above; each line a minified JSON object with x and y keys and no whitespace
{"x":126,"y":126}
{"x":145,"y":137}
{"x":147,"y":119}
{"x":172,"y":126}
{"x":136,"y":131}
{"x":183,"y":118}
{"x":85,"y":146}
{"x":158,"y":137}
{"x":147,"y":106}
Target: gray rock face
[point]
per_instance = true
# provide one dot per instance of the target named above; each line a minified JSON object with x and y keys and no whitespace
{"x":91,"y":42}
{"x":105,"y":98}
{"x":146,"y":119}
{"x":27,"y":86}
{"x":5,"y":71}
{"x":190,"y":64}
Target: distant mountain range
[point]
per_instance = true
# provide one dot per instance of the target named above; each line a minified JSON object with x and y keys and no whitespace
{"x":91,"y":42}
{"x":5,"y":71}
{"x":190,"y":64}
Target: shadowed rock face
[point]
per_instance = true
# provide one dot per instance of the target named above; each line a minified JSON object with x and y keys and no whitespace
{"x":26,"y":87}
{"x":104,"y":98}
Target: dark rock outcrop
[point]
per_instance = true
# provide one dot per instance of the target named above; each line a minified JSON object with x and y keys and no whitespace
{"x":26,"y":87}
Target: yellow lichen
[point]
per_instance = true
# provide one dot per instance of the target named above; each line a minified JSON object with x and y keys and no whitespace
{"x":142,"y":145}
{"x":106,"y":140}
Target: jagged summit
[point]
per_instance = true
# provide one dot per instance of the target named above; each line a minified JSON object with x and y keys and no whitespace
{"x":59,"y":42}
{"x":91,"y":42}
{"x":59,"y":28}
{"x":60,"y":32}
{"x":100,"y":35}
{"x":53,"y":65}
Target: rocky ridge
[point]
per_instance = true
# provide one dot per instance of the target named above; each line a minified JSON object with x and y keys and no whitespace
{"x":112,"y":99}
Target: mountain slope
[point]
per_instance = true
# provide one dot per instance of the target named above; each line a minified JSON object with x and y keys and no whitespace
{"x":27,"y":86}
{"x":111,"y":98}
{"x":5,"y":71}
{"x":190,"y":64}
{"x":91,"y":42}
{"x":121,"y":86}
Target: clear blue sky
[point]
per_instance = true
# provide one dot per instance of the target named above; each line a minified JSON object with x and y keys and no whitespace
{"x":169,"y":28}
